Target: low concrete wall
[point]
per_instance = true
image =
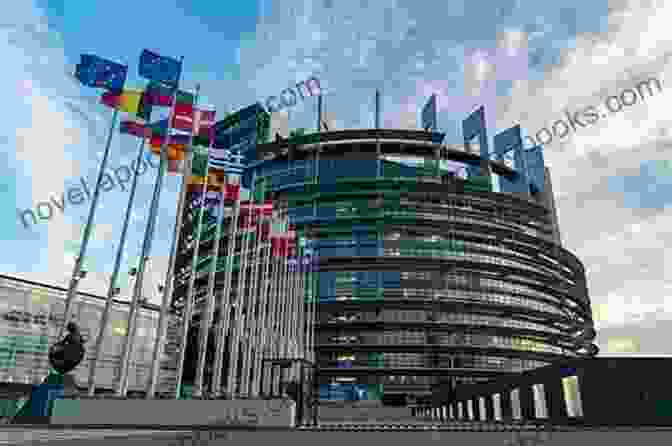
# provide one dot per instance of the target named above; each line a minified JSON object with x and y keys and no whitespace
{"x":276,"y":413}
{"x":363,"y":414}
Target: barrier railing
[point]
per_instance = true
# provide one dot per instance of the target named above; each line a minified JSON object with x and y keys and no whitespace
{"x":598,"y":391}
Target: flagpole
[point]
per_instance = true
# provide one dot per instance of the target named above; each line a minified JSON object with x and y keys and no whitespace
{"x":111,"y":292}
{"x":241,"y":301}
{"x":225,"y":302}
{"x":253,"y":315}
{"x":207,"y":315}
{"x":270,"y":336}
{"x":77,"y":271}
{"x":168,"y":285}
{"x":377,"y":109}
{"x":319,"y":112}
{"x":249,"y":298}
{"x":261,"y":331}
{"x":284,"y":309}
{"x":146,"y":247}
{"x":189,"y":304}
{"x":272,"y":340}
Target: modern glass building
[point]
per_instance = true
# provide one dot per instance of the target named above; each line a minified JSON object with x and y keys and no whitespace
{"x":426,"y":274}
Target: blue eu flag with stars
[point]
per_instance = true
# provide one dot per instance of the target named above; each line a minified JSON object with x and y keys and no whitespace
{"x":160,"y":68}
{"x":94,"y":71}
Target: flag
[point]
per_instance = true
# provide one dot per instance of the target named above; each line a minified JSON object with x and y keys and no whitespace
{"x":265,"y":231}
{"x":203,"y":129}
{"x":284,"y":246}
{"x":160,"y":68}
{"x":174,"y":152}
{"x":174,"y":140}
{"x":429,"y":114}
{"x":226,"y":160}
{"x":127,"y":101}
{"x":204,"y":119}
{"x":232,"y":192}
{"x":195,"y":183}
{"x":275,"y":245}
{"x":94,"y":71}
{"x":212,"y":199}
{"x":199,"y":163}
{"x":144,"y":108}
{"x":259,"y":210}
{"x":261,"y":189}
{"x":246,"y":218}
{"x":175,"y":166}
{"x":159,"y":95}
{"x":183,"y":113}
{"x":158,"y":128}
{"x":205,"y":137}
{"x":266,"y":209}
{"x":135,"y":127}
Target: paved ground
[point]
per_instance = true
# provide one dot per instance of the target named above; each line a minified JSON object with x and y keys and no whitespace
{"x":45,"y":436}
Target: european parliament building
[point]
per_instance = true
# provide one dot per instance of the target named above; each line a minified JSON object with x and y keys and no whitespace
{"x":427,"y":274}
{"x":432,"y":264}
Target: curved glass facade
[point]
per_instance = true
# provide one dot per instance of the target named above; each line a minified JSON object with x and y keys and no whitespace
{"x":423,"y":274}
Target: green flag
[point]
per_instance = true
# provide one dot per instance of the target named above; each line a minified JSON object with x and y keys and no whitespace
{"x":199,"y":165}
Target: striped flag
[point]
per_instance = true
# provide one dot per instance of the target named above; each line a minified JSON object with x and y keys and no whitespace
{"x":175,"y":166}
{"x":159,"y":95}
{"x":204,"y":118}
{"x":232,"y":192}
{"x":265,"y":210}
{"x":174,"y":152}
{"x":183,"y":112}
{"x":135,"y":127}
{"x":127,"y":101}
{"x":204,"y":127}
{"x":174,"y":139}
{"x":225,"y":160}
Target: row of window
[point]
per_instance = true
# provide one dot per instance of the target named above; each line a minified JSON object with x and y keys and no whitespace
{"x":448,"y":317}
{"x":409,"y":337}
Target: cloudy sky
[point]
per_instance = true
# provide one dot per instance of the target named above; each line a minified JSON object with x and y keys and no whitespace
{"x":530,"y":63}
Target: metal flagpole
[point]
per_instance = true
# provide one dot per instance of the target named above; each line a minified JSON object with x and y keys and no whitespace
{"x":296,"y":311}
{"x":272,"y":339}
{"x":254,"y":298}
{"x":241,"y":301}
{"x":253,"y":345}
{"x":377,"y":109}
{"x":175,"y":243}
{"x":302,"y":291}
{"x":225,"y":302}
{"x":277,"y":311}
{"x":112,"y":290}
{"x":144,"y":256}
{"x":319,"y":112}
{"x":284,"y":303}
{"x":292,"y":311}
{"x":285,"y":294}
{"x":261,"y":328}
{"x":253,"y":307}
{"x":282,"y":299}
{"x":77,"y":271}
{"x":207,"y":315}
{"x":270,"y":336}
{"x":189,"y":298}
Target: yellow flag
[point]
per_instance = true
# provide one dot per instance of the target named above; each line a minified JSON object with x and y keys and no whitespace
{"x":129,"y":101}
